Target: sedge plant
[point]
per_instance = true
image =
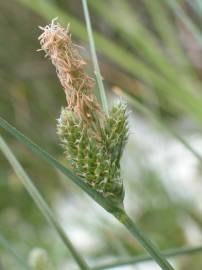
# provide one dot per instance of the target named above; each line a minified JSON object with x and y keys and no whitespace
{"x":84,"y":124}
{"x":93,"y":139}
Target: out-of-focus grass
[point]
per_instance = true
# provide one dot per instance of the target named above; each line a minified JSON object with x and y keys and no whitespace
{"x":178,"y":87}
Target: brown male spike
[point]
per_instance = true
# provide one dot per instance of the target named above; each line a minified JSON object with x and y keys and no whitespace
{"x":57,"y":44}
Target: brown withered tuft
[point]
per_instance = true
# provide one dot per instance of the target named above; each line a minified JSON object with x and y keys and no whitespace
{"x":57,"y":44}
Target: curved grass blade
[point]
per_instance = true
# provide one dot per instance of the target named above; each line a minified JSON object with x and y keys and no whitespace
{"x":144,"y":258}
{"x":40,"y":202}
{"x":4,"y":242}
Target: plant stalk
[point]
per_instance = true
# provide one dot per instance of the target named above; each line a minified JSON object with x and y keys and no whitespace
{"x":94,"y":58}
{"x":123,"y":218}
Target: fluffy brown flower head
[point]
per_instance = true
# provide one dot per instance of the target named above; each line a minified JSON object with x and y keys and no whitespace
{"x":57,"y":44}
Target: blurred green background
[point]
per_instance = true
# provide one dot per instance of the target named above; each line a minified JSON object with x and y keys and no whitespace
{"x":150,"y":53}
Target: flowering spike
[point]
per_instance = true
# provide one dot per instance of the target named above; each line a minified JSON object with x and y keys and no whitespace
{"x":93,"y":141}
{"x":96,"y":159}
{"x":57,"y":44}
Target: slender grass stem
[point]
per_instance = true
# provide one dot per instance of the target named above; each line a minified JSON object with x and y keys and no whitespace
{"x":94,"y":58}
{"x":4,"y":242}
{"x":144,"y":258}
{"x":146,"y":243}
{"x":40,"y":202}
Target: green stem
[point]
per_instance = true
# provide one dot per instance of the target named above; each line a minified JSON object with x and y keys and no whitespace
{"x":40,"y":202}
{"x":146,"y":243}
{"x":144,"y":258}
{"x":94,"y":58}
